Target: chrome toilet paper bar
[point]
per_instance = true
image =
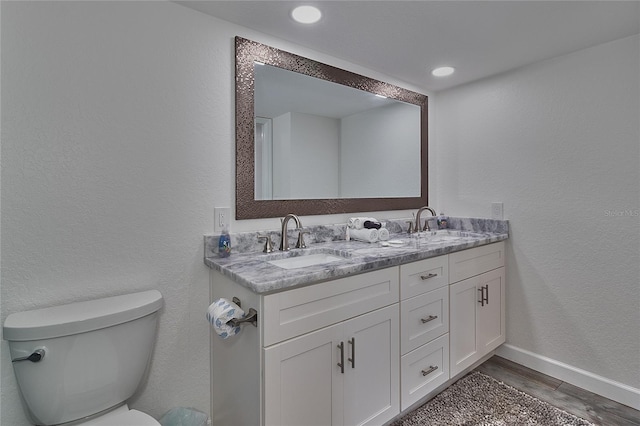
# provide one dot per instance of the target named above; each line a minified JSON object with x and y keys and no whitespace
{"x":250,"y":317}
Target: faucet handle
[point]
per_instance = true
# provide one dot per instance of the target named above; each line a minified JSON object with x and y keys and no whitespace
{"x":300,"y":244}
{"x":426,"y":225}
{"x":410,"y":222}
{"x":268,"y":245}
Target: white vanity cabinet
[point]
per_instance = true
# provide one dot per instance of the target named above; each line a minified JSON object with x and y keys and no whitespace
{"x":477,"y":304}
{"x":324,"y":354}
{"x":358,"y":350}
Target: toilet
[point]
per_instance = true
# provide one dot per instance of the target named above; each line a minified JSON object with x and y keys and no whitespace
{"x":82,"y":361}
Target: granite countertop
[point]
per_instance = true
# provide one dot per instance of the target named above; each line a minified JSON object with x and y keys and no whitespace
{"x":252,"y":270}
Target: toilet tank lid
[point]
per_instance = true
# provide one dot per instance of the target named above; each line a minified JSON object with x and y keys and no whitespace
{"x":80,"y":317}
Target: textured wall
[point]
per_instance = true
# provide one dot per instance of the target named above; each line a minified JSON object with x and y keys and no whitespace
{"x":117,"y":143}
{"x":107,"y":177}
{"x":558,"y":143}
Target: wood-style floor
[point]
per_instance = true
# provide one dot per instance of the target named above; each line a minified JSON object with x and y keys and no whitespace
{"x":572,"y":399}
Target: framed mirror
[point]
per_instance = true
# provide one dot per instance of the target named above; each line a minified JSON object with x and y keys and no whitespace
{"x":314,"y":139}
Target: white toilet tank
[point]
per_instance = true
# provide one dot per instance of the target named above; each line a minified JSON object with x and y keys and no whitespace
{"x":95,"y":354}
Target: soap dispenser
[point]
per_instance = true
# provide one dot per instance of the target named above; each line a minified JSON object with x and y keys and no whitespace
{"x":442,"y":221}
{"x":224,"y":243}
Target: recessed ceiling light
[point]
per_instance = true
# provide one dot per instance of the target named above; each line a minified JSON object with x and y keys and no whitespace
{"x":443,"y":71}
{"x":306,"y":14}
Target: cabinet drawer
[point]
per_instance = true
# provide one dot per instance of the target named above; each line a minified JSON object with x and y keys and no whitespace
{"x":423,"y":276}
{"x":423,"y":318}
{"x":475,"y":261}
{"x":423,"y":370}
{"x":298,"y":311}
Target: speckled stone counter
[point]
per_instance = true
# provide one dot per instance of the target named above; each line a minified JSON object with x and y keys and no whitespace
{"x":250,"y":267}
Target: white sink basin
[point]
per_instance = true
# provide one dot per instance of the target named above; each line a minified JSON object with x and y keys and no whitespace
{"x":439,"y":237}
{"x":305,"y":261}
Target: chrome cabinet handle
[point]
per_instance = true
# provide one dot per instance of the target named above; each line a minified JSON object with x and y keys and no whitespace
{"x":429,"y":318}
{"x":341,"y":363}
{"x":426,"y":277}
{"x":430,"y":370}
{"x":36,"y":356}
{"x":484,"y":295}
{"x":352,"y":342}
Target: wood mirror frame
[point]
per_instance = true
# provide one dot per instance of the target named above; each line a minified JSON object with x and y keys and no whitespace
{"x":247,"y":207}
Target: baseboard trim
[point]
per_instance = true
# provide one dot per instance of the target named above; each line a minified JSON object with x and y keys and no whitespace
{"x":611,"y":389}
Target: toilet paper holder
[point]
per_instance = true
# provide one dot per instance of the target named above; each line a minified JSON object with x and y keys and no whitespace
{"x":250,"y":317}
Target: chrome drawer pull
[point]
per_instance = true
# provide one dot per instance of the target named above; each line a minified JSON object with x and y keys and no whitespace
{"x":429,"y":318}
{"x":430,"y":370}
{"x":426,"y":277}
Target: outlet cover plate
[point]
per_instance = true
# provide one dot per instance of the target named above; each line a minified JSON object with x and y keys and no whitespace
{"x":221,"y":219}
{"x":497,"y":211}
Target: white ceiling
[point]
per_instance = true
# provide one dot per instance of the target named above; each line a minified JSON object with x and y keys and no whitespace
{"x":406,"y":39}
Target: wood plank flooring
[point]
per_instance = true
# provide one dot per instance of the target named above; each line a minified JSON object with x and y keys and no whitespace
{"x":574,"y":400}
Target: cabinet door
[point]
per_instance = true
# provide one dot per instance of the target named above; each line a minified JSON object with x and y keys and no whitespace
{"x":372,"y":371}
{"x":477,"y":322}
{"x":463,"y":299}
{"x":491,"y":316}
{"x":302,"y":381}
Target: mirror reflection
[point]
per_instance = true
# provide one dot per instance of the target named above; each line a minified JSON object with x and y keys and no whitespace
{"x":316,"y":139}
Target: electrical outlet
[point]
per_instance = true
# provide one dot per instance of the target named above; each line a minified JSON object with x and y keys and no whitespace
{"x":221,"y":218}
{"x":497,"y":211}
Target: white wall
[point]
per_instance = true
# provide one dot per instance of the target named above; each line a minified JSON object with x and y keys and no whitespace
{"x":379,"y":156}
{"x":305,"y":146}
{"x":117,"y":143}
{"x":315,"y":151}
{"x":281,"y":156}
{"x":558,"y":143}
{"x":109,"y":172}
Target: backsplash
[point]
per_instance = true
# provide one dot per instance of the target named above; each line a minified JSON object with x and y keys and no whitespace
{"x":247,"y":242}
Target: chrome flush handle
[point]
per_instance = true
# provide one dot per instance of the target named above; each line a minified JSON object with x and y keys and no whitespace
{"x":36,"y":356}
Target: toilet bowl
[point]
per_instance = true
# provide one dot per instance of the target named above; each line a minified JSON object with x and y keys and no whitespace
{"x":83,"y":361}
{"x":121,"y":416}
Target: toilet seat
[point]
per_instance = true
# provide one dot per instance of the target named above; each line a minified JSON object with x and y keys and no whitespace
{"x":122,"y":417}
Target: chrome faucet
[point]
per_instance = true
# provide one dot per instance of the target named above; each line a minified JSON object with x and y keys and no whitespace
{"x":418,"y":224}
{"x":284,"y":241}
